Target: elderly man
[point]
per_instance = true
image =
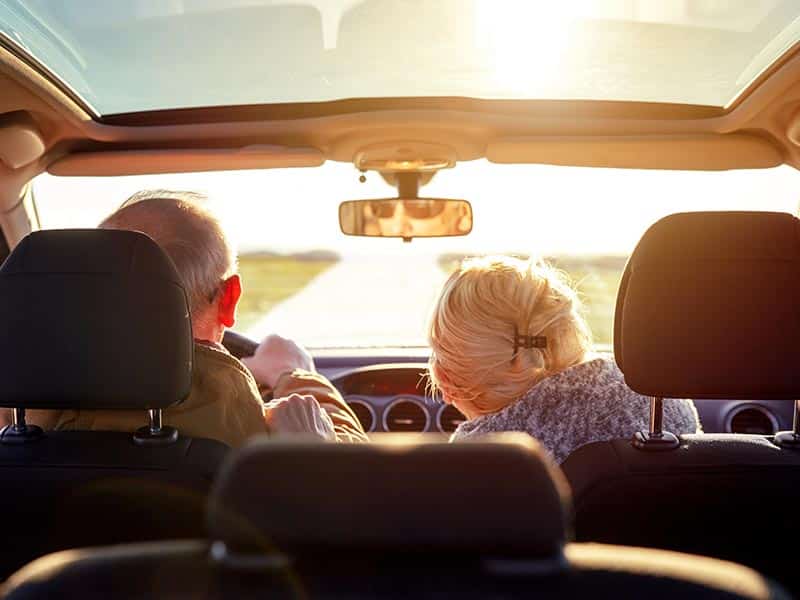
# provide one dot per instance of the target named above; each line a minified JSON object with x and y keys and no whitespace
{"x":224,"y":402}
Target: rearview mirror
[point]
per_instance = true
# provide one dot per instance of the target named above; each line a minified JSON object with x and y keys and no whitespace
{"x":406,"y":218}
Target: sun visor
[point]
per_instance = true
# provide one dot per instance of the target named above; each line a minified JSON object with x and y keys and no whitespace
{"x":185,"y":160}
{"x":708,"y":152}
{"x":20,"y":144}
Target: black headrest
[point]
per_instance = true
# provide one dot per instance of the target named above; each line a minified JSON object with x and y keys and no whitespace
{"x":501,"y":494}
{"x":709,"y":307}
{"x":92,"y":319}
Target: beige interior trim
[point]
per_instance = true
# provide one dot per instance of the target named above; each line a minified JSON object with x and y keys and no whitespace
{"x":17,"y":214}
{"x":636,"y":135}
{"x":21,"y":219}
{"x":793,"y":128}
{"x":20,"y":144}
{"x":30,"y":81}
{"x":770,"y":73}
{"x":143,"y":162}
{"x":708,"y":152}
{"x":432,"y":125}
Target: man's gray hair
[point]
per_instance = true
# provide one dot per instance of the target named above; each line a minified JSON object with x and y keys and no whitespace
{"x":190,"y":235}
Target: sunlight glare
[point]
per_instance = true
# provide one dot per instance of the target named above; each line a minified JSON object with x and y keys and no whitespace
{"x":524,"y":42}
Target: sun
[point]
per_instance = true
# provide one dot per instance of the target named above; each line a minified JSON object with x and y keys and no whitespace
{"x":524,"y":43}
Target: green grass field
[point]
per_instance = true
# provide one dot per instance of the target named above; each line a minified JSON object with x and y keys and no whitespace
{"x":597,"y":287}
{"x":267,"y":280}
{"x":596,"y":279}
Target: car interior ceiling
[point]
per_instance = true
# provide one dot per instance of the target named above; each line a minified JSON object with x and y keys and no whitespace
{"x":153,"y":512}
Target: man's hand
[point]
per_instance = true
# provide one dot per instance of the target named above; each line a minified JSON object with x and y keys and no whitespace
{"x":275,"y":356}
{"x":298,"y":414}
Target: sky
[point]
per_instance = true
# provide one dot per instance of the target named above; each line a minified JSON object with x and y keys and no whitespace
{"x":532,"y":209}
{"x":219,"y":52}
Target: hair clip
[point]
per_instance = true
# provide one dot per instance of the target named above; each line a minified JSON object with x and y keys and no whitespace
{"x":528,"y":341}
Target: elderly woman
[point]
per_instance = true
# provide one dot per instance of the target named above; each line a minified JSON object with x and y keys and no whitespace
{"x":512,"y":352}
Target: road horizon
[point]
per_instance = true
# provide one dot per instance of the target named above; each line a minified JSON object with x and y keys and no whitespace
{"x":359,"y":301}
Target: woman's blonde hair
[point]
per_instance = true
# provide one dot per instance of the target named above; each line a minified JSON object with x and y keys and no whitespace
{"x":472,"y":331}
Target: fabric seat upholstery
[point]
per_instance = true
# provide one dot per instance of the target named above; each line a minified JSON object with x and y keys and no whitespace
{"x":707,"y":308}
{"x":392,"y":520}
{"x":100,"y":320}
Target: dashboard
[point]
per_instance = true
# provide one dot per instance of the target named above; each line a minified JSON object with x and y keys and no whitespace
{"x":387,"y":389}
{"x":391,"y":396}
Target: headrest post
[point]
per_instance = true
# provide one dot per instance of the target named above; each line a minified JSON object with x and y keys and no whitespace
{"x":18,"y":419}
{"x":790,"y":439}
{"x":656,"y":417}
{"x":656,"y":439}
{"x":19,"y":432}
{"x":155,"y":433}
{"x":155,"y":420}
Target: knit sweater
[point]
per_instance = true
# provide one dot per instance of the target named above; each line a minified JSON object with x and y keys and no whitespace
{"x":585,"y":403}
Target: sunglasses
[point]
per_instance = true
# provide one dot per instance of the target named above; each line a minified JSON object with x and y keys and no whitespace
{"x":416,"y":209}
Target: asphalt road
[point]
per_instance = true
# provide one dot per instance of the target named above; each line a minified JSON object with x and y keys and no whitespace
{"x":360,"y":302}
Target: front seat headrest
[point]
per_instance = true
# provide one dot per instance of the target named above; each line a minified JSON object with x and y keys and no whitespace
{"x":709,"y":307}
{"x":93,"y":319}
{"x":501,"y":494}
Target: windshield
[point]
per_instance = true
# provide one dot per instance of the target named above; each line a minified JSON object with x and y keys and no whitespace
{"x":145,"y":55}
{"x":303,"y":278}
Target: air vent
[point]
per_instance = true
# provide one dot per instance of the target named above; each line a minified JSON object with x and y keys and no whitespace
{"x":405,"y":415}
{"x":753,"y":420}
{"x":364,"y":412}
{"x":449,"y":418}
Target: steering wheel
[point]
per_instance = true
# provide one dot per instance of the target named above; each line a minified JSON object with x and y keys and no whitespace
{"x":239,"y":345}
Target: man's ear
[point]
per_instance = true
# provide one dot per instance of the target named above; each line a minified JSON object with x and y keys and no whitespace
{"x":231,"y":292}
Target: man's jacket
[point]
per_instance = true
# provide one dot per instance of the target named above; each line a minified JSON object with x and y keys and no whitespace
{"x":224,"y":404}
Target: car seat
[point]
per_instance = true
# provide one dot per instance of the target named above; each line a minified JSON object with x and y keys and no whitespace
{"x":708,"y":307}
{"x":287,"y":519}
{"x":96,"y":319}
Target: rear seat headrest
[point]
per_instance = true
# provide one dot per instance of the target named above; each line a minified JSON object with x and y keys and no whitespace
{"x":709,"y":307}
{"x":501,"y":495}
{"x":93,"y":319}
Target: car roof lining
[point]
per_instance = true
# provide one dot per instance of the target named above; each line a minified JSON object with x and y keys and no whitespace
{"x":473,"y":128}
{"x":712,"y":151}
{"x":542,"y":108}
